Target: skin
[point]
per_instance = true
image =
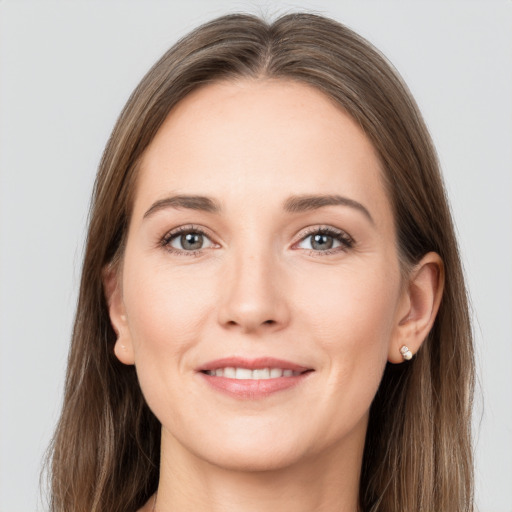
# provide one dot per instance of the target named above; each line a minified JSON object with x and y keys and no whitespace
{"x":259,"y":288}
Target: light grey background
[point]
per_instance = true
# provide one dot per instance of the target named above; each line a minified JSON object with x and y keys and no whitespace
{"x":66,"y":69}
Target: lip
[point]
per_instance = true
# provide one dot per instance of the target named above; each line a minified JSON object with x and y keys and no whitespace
{"x":250,"y":389}
{"x":252,"y":364}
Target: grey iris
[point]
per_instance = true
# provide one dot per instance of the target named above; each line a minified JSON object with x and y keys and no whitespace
{"x":322,"y":242}
{"x":191,"y":241}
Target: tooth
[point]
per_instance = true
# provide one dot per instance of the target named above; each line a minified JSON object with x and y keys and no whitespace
{"x":276,"y":373}
{"x":263,"y":373}
{"x":248,"y":374}
{"x":229,"y":372}
{"x":243,"y":373}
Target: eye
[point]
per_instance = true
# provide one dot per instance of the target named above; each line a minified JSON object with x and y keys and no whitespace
{"x":327,"y":240}
{"x":187,"y":239}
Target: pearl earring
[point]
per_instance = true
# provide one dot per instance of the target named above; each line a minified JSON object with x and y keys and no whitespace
{"x":406,"y":353}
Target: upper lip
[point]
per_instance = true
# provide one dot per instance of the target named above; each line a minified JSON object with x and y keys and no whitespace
{"x":252,"y":364}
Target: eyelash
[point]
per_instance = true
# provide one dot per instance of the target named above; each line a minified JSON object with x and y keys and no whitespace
{"x":165,"y":242}
{"x":345,"y":240}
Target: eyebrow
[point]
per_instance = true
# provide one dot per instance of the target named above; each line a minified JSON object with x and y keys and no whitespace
{"x":200,"y":203}
{"x":294,"y":204}
{"x":303,"y":203}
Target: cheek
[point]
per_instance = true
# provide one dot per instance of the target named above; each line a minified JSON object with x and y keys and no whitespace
{"x":352,"y":309}
{"x":163,"y":303}
{"x":166,"y":311}
{"x":351,"y":317}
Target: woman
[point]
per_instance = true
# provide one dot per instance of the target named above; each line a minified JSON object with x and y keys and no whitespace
{"x":272,"y":310}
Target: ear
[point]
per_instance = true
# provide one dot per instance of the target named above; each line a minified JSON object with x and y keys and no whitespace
{"x":418,"y":306}
{"x":123,"y":347}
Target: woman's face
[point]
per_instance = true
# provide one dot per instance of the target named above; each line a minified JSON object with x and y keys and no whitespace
{"x":261,"y":245}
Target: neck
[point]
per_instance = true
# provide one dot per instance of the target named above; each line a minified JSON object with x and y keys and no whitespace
{"x":324,"y":482}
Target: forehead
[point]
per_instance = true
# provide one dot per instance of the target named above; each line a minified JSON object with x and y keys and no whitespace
{"x":260,"y":140}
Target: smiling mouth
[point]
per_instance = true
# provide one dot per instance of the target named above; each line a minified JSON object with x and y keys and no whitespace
{"x":255,"y":374}
{"x":253,"y":379}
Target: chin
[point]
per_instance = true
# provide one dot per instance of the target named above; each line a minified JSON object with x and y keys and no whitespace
{"x":244,"y":449}
{"x":254,"y":460}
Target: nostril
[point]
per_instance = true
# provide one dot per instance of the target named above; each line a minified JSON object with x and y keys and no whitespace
{"x":269,"y":322}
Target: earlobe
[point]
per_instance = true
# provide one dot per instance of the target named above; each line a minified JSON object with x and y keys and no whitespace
{"x":124,"y":352}
{"x":123,"y":347}
{"x":419,"y":306}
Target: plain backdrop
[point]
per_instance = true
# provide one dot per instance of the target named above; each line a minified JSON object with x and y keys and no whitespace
{"x":66,"y":69}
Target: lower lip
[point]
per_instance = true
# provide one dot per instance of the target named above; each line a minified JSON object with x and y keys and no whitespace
{"x":253,"y":389}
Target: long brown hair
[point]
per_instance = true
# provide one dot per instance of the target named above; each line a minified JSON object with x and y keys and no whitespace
{"x":105,"y":453}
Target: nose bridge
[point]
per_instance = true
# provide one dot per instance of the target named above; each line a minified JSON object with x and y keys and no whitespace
{"x":252,"y":298}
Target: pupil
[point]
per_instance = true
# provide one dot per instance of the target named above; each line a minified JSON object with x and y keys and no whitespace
{"x":192,"y":241}
{"x":322,"y":242}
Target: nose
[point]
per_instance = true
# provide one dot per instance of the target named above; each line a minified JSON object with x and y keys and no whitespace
{"x":253,"y":296}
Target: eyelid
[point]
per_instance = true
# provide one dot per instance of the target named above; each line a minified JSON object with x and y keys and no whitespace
{"x":346,"y":240}
{"x":165,"y":240}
